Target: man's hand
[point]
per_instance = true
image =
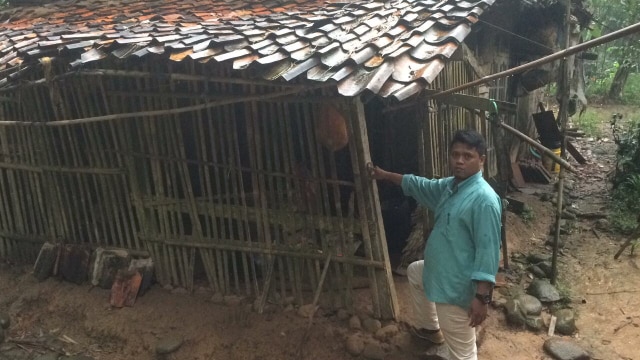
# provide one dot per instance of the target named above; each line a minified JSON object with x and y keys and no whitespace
{"x":477,"y":312}
{"x":377,"y":173}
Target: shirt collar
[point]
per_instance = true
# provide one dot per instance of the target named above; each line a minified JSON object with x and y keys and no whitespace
{"x":465,"y":183}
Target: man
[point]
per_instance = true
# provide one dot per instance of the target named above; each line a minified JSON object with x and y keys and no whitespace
{"x":463,"y":250}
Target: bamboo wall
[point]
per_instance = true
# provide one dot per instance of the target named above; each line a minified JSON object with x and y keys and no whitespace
{"x":240,"y":191}
{"x":234,"y":188}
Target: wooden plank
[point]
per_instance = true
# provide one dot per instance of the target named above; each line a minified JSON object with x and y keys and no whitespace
{"x":516,"y":178}
{"x":475,"y":102}
{"x":575,"y":153}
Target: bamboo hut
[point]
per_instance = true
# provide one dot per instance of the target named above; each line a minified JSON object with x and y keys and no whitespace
{"x":231,"y":138}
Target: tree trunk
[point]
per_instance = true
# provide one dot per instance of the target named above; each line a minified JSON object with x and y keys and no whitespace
{"x":620,"y":80}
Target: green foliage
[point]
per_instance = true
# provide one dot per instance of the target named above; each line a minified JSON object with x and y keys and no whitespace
{"x":632,"y":90}
{"x":609,"y":16}
{"x":626,"y":179}
{"x":527,"y":215}
{"x":598,"y":84}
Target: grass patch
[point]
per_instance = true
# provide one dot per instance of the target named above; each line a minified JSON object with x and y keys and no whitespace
{"x":527,"y":215}
{"x":591,"y":122}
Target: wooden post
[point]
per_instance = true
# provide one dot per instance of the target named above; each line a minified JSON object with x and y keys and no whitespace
{"x":504,"y":174}
{"x":564,"y":89}
{"x":385,"y":300}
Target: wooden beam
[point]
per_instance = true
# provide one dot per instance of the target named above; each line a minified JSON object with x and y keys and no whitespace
{"x":475,"y":102}
{"x":461,"y":100}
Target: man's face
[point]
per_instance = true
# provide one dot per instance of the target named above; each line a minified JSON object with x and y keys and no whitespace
{"x":464,"y":160}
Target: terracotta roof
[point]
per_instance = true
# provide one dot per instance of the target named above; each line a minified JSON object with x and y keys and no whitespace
{"x":393,"y":48}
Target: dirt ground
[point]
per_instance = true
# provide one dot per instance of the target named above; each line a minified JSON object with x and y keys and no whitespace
{"x":59,"y":317}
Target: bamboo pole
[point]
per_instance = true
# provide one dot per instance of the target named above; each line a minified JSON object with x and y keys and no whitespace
{"x":188,"y":241}
{"x":632,"y":29}
{"x":173,"y":111}
{"x":563,"y":163}
{"x":563,"y":113}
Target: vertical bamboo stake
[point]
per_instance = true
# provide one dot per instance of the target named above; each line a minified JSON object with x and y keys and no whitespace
{"x":563,"y":113}
{"x":246,"y":235}
{"x":383,"y":283}
{"x":504,"y":173}
{"x":291,"y":187}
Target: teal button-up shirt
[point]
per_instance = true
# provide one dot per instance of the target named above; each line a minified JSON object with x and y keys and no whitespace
{"x":464,"y":244}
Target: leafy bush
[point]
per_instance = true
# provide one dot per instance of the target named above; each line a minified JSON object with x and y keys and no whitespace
{"x":598,"y":86}
{"x":631,"y":90}
{"x":626,"y":179}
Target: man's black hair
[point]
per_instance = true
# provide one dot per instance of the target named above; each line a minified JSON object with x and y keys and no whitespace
{"x":471,"y":138}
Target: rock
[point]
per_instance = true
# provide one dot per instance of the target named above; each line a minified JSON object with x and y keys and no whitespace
{"x":355,"y":345}
{"x":515,"y":313}
{"x":203,"y":290}
{"x":543,"y":290}
{"x":535,"y":258}
{"x":289,"y":300}
{"x":354,"y":323}
{"x":551,"y":238}
{"x":499,"y":303}
{"x":439,"y":352}
{"x":288,"y":308}
{"x":342,"y":314}
{"x":217,"y":298}
{"x":402,"y":340}
{"x":387,"y":332}
{"x":169,"y":344}
{"x":562,"y":349}
{"x":568,"y":215}
{"x":1,"y":335}
{"x":5,"y":321}
{"x":522,"y":310}
{"x":534,"y":323}
{"x":537,"y":272}
{"x":530,"y":305}
{"x":371,"y":325}
{"x":233,"y":300}
{"x":47,"y":356}
{"x":373,"y":351}
{"x":546,"y":197}
{"x":14,"y":353}
{"x":76,"y":357}
{"x":603,"y":224}
{"x":566,"y":321}
{"x":307,"y":310}
{"x":179,"y":290}
{"x":546,"y":267}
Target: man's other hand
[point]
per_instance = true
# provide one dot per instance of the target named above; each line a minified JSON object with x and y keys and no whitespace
{"x":477,"y":312}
